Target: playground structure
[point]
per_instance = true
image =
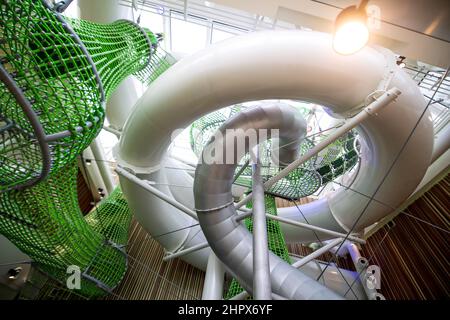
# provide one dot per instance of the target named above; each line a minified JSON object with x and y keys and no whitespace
{"x":76,"y":65}
{"x":57,"y":74}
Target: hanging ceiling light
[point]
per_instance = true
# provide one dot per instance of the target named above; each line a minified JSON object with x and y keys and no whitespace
{"x":351,"y":32}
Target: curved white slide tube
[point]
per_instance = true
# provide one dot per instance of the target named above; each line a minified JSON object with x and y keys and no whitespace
{"x":281,"y":64}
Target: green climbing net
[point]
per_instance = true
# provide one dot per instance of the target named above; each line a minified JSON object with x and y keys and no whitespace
{"x":45,"y":222}
{"x":43,"y":55}
{"x":59,"y":67}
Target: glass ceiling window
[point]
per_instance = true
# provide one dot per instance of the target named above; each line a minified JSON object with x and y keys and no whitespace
{"x":186,"y":37}
{"x":152,"y":21}
{"x":221,"y":32}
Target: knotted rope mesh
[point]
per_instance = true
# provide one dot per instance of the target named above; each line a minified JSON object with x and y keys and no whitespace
{"x":56,"y":74}
{"x":45,"y":222}
{"x":65,"y":69}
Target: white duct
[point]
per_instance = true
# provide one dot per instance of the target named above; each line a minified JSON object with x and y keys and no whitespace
{"x":280,"y":64}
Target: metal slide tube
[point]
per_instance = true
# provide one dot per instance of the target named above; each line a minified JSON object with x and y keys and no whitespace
{"x":231,"y":242}
{"x":296,"y":62}
{"x":261,"y":271}
{"x":442,"y":143}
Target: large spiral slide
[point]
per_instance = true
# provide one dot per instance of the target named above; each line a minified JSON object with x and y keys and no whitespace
{"x":396,"y":142}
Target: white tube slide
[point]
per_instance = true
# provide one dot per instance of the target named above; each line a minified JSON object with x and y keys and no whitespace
{"x":282,"y":65}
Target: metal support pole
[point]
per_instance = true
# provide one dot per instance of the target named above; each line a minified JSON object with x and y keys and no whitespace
{"x":131,"y":177}
{"x":374,"y":107}
{"x":261,"y":272}
{"x":101,"y":161}
{"x":305,"y":226}
{"x":214,"y":277}
{"x":317,"y":253}
{"x":238,"y":174}
{"x":187,"y":251}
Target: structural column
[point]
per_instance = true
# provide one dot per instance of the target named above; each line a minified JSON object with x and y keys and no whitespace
{"x":261,"y":272}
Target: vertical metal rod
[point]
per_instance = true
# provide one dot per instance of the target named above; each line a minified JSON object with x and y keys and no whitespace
{"x":261,"y":272}
{"x":185,"y":9}
{"x":215,"y":273}
{"x":351,"y":123}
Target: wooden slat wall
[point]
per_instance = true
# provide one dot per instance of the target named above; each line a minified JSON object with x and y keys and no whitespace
{"x":414,"y":256}
{"x":149,"y":278}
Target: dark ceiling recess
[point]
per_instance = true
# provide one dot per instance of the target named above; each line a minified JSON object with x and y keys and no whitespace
{"x":430,"y":17}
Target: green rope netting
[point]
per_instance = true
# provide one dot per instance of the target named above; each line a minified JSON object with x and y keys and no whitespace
{"x":45,"y":222}
{"x":118,"y":49}
{"x":50,"y":60}
{"x":160,"y":61}
{"x":337,"y":159}
{"x":275,"y":241}
{"x":47,"y":62}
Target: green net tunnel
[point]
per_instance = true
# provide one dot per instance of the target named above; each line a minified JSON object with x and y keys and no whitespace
{"x":46,"y":223}
{"x":56,"y":74}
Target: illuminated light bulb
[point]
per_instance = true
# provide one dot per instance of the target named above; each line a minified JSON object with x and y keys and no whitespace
{"x":351,"y":33}
{"x":350,"y":37}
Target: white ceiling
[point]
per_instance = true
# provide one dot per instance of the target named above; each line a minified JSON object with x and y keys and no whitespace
{"x":417,"y":29}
